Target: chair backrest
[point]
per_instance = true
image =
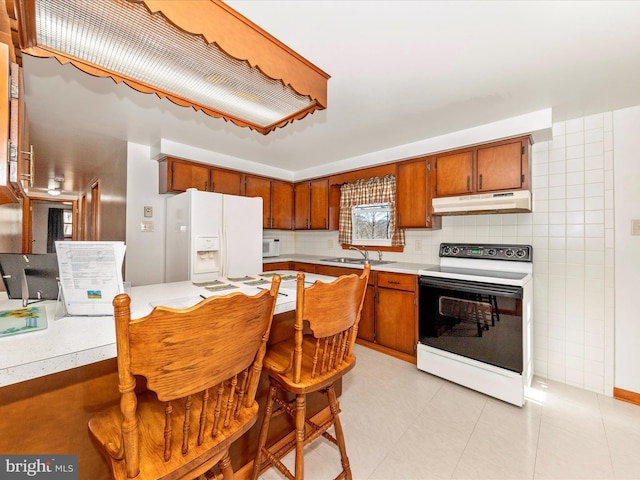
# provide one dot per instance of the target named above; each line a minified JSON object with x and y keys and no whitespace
{"x":213,"y":348}
{"x":332,"y":312}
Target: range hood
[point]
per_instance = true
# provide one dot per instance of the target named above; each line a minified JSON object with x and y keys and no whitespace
{"x":517,"y":201}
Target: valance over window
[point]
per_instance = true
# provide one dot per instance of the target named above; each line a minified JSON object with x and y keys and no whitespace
{"x":366,"y":192}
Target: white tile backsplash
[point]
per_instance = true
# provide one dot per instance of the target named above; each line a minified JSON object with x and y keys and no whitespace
{"x":572,"y":186}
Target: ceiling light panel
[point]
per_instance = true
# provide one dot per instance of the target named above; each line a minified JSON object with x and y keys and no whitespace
{"x":124,"y":38}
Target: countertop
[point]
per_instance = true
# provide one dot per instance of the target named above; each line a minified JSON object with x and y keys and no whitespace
{"x":397,"y":267}
{"x":73,"y":341}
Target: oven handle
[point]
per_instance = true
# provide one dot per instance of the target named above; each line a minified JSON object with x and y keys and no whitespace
{"x":481,"y":288}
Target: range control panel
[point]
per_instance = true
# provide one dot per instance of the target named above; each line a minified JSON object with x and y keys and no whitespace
{"x":517,"y":253}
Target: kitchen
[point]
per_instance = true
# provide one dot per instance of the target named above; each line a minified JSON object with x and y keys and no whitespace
{"x":581,"y":216}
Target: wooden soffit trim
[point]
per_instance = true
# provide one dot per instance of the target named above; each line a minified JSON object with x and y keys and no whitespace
{"x":216,"y":23}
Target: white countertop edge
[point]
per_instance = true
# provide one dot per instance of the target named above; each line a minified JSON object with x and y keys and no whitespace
{"x":70,"y":342}
{"x":41,"y":368}
{"x":395,"y":267}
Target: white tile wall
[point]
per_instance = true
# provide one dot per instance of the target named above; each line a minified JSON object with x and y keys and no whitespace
{"x":571,"y":230}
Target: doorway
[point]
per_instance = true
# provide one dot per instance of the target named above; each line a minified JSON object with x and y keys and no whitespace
{"x":46,"y":220}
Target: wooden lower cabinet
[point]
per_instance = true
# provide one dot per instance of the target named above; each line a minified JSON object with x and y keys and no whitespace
{"x":304,"y":267}
{"x":395,"y":320}
{"x":395,"y":315}
{"x":297,"y":266}
{"x":367,"y":327}
{"x":389,"y":318}
{"x":270,"y":267}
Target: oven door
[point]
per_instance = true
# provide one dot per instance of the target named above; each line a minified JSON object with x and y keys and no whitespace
{"x":481,"y":321}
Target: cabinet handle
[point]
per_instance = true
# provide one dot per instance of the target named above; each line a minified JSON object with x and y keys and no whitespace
{"x":468,"y":184}
{"x":393,"y":282}
{"x":480,"y":182}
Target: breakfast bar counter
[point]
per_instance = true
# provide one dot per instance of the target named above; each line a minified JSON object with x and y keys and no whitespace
{"x":73,"y":341}
{"x":53,"y":380}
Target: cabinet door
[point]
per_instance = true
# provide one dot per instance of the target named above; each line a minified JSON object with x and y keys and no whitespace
{"x":319,"y":204}
{"x":501,"y":167}
{"x":281,"y":205}
{"x":301,"y":206}
{"x":185,"y":175}
{"x":260,"y":187}
{"x":454,"y":174}
{"x":226,"y":182}
{"x":395,"y":320}
{"x":412,"y":195}
{"x":366,"y":327}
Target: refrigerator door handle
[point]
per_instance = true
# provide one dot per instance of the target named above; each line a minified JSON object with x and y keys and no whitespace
{"x":227,"y":261}
{"x":224,"y":241}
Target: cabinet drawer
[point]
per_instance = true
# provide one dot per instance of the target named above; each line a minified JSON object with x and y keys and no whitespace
{"x":336,"y":271}
{"x":269,"y":267}
{"x":397,"y":281}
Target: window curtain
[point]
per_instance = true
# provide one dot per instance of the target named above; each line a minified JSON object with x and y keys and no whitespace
{"x":55,"y":228}
{"x":363,"y":192}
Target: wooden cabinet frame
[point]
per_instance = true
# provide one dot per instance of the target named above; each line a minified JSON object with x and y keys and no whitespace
{"x":485,"y":168}
{"x":315,"y":204}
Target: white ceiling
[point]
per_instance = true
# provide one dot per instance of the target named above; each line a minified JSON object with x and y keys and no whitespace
{"x":401,"y":71}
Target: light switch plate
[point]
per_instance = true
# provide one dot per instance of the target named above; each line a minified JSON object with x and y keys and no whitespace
{"x":635,"y":226}
{"x":148,"y":212}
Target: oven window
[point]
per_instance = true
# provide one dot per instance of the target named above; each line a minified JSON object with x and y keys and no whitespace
{"x":483,"y":324}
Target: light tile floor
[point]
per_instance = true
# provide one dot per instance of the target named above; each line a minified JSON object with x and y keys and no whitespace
{"x":401,"y":423}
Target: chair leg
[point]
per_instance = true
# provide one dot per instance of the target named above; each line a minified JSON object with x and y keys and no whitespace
{"x":300,"y":434}
{"x":264,"y":431}
{"x":225,"y":467}
{"x":335,"y":412}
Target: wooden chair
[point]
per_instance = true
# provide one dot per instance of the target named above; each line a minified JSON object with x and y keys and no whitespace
{"x":321,"y":352}
{"x":202,"y":366}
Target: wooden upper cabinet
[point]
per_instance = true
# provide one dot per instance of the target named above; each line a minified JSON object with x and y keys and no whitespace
{"x":301,"y":206}
{"x":15,"y":156}
{"x":228,"y":182}
{"x":277,"y":200}
{"x":260,"y":187}
{"x":312,"y":205}
{"x":413,"y":195}
{"x":501,"y":167}
{"x":454,"y":174}
{"x":319,"y":203}
{"x":178,"y":175}
{"x":493,"y":167}
{"x":281,"y":205}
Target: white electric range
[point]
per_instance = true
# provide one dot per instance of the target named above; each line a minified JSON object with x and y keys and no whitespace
{"x":476,"y":318}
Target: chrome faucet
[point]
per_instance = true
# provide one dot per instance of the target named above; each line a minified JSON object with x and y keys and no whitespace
{"x":379,"y":255}
{"x":364,"y":253}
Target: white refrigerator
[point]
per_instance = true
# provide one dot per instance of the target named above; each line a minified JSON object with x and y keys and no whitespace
{"x":210,"y":235}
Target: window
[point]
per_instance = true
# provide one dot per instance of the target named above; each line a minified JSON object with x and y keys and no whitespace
{"x":367,"y":213}
{"x":67,"y":219}
{"x":372,"y":224}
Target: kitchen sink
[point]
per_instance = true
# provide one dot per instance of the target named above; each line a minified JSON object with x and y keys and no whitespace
{"x":355,"y":261}
{"x":343,"y":260}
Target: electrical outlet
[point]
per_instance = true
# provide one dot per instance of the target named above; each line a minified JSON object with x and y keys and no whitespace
{"x":148,"y":212}
{"x":146,"y":227}
{"x":418,"y":245}
{"x":330,"y":243}
{"x":635,"y":226}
